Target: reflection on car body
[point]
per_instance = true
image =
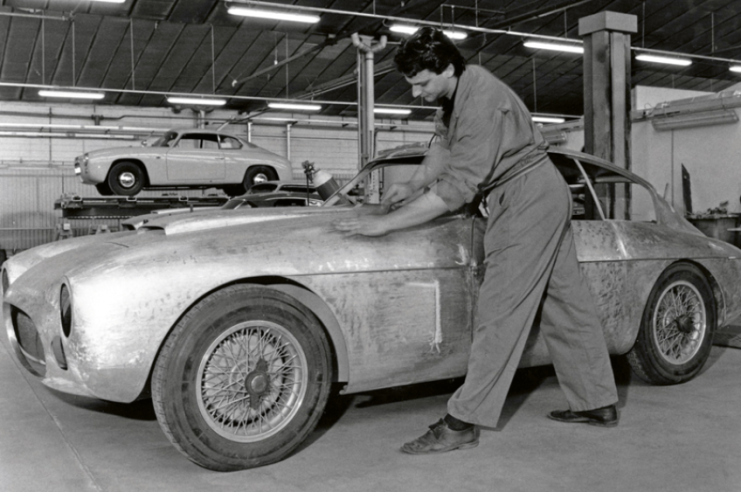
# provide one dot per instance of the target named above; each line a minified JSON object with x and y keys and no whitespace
{"x":241,"y":319}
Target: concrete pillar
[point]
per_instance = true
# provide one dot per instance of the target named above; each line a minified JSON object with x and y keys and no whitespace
{"x":607,"y":85}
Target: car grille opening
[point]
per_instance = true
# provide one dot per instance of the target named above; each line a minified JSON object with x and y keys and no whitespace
{"x":30,"y":349}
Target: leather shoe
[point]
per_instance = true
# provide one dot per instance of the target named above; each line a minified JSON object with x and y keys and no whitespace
{"x":603,"y":417}
{"x":441,"y":438}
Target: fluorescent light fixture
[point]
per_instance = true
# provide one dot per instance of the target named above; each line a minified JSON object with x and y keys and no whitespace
{"x":271,"y":14}
{"x":407,"y":29}
{"x":196,"y":101}
{"x":109,"y":1}
{"x":568,"y":48}
{"x":692,"y":120}
{"x":548,"y":119}
{"x":71,"y":94}
{"x":297,"y":107}
{"x":392,"y":111}
{"x":735,"y":68}
{"x":665,"y":60}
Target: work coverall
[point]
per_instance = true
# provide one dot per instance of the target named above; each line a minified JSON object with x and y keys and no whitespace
{"x":530,"y":254}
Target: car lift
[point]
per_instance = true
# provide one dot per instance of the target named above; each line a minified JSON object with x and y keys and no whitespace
{"x":75,"y":207}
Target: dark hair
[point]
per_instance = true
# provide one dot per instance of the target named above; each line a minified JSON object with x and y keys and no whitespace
{"x":428,"y":49}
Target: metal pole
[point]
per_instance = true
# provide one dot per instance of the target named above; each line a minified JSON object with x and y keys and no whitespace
{"x":366,"y":97}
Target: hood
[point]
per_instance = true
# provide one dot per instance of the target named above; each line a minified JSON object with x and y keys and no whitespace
{"x":204,"y":220}
{"x":119,"y":151}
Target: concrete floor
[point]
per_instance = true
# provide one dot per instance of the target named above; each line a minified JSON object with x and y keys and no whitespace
{"x":677,"y":438}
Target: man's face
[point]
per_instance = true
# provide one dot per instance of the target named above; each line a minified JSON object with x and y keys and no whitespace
{"x":430,"y":85}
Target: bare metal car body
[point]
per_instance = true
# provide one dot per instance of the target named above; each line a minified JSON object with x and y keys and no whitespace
{"x":395,"y":309}
{"x":182,"y":158}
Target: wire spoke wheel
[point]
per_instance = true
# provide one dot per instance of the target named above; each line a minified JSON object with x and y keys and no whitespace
{"x":680,"y":322}
{"x":252,"y":381}
{"x":243,"y":378}
{"x":676,"y":332}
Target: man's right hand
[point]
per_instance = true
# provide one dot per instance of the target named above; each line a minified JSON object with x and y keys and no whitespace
{"x":397,"y":193}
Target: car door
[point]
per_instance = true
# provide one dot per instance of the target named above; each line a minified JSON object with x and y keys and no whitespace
{"x":195,"y":158}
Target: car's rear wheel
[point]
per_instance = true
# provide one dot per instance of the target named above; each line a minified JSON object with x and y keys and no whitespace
{"x":677,"y":327}
{"x":125,"y":178}
{"x":242,"y":379}
{"x":258,"y":174}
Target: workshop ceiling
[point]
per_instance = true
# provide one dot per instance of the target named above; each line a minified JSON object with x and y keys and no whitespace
{"x":141,"y":49}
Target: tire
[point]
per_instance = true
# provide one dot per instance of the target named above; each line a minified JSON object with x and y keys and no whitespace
{"x":103,"y":189}
{"x":677,"y":327}
{"x":223,"y":394}
{"x":258,"y":174}
{"x":125,"y":178}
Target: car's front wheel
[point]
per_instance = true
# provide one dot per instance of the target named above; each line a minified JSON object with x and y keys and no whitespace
{"x":677,"y":327}
{"x":242,"y":379}
{"x":125,"y":178}
{"x":258,"y":174}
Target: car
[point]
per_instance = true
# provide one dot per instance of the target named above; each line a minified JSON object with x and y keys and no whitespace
{"x":182,"y":158}
{"x":277,"y":194}
{"x":237,"y":323}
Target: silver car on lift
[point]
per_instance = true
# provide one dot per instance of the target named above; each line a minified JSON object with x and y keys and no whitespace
{"x":182,"y":158}
{"x":241,"y":320}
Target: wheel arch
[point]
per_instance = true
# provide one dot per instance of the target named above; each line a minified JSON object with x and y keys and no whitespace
{"x":138,"y":162}
{"x":302,"y":294}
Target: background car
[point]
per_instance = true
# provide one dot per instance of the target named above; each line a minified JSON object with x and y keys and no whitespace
{"x":241,"y":320}
{"x":182,"y":158}
{"x":277,"y":194}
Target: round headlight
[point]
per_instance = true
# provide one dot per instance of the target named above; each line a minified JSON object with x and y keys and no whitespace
{"x":65,"y":308}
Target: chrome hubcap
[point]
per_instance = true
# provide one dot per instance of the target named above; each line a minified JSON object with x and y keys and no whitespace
{"x":127,"y":179}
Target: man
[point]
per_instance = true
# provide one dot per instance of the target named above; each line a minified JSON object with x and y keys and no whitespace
{"x":488,"y":144}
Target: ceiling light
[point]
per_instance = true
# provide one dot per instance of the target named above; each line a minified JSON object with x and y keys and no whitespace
{"x":109,"y":1}
{"x":297,"y":107}
{"x":271,"y":14}
{"x":735,"y":68}
{"x":568,"y":48}
{"x":664,"y":59}
{"x":548,"y":119}
{"x":196,"y":101}
{"x":407,"y":29}
{"x":71,"y":94}
{"x":392,"y":111}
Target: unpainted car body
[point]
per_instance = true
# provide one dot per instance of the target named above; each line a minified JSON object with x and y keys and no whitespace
{"x":182,"y":158}
{"x":241,"y":319}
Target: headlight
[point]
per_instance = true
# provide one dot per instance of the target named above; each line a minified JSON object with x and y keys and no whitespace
{"x":65,"y":309}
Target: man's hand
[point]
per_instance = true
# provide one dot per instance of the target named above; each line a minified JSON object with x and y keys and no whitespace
{"x":364,"y":225}
{"x":397,"y":192}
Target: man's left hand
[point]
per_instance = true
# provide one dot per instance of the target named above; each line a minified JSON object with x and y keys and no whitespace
{"x":364,"y":225}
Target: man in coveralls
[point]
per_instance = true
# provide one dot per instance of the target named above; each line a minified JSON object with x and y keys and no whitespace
{"x":489,"y":144}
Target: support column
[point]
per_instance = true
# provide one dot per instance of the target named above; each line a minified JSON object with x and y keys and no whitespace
{"x":366,"y":98}
{"x":607,"y":85}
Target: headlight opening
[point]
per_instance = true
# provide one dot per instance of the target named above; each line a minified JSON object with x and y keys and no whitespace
{"x":65,"y":309}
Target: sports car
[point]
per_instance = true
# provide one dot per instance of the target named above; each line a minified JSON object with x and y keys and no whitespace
{"x":238,"y":322}
{"x":182,"y":158}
